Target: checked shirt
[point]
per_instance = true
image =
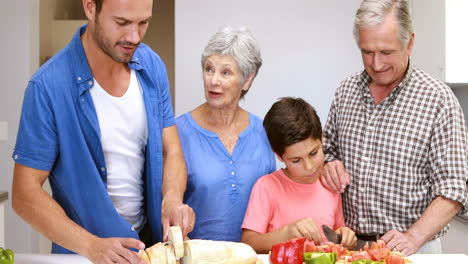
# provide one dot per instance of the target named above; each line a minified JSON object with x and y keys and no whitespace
{"x":401,"y":154}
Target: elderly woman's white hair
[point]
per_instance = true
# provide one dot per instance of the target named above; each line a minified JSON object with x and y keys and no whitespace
{"x":373,"y":12}
{"x":239,"y":43}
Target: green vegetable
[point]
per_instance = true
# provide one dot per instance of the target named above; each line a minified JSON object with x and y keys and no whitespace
{"x":319,"y":258}
{"x":366,"y":261}
{"x":6,"y":256}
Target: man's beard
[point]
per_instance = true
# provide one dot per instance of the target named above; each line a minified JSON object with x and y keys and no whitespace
{"x":107,"y":47}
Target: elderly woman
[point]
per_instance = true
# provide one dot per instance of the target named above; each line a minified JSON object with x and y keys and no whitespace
{"x":225,"y":147}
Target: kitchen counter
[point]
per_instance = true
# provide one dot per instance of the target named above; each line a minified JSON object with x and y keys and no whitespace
{"x":76,"y":259}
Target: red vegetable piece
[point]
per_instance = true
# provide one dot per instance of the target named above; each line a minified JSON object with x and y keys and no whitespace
{"x":374,"y":254}
{"x":289,"y":252}
{"x":360,"y":255}
{"x":392,"y":259}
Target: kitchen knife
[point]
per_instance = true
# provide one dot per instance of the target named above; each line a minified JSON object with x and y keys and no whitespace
{"x":331,"y":235}
{"x":334,"y":237}
{"x":360,"y":244}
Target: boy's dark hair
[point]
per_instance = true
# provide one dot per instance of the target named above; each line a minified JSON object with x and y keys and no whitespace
{"x":291,"y":120}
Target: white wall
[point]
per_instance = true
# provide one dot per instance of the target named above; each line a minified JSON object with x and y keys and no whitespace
{"x":19,"y":59}
{"x":307,"y":48}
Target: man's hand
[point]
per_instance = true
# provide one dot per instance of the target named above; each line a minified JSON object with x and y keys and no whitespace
{"x":334,"y":176}
{"x":305,"y":228}
{"x":114,"y":250}
{"x":177,"y":214}
{"x":348,"y":237}
{"x":404,"y":242}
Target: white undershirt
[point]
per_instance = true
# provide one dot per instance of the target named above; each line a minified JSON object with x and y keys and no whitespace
{"x":124,"y":133}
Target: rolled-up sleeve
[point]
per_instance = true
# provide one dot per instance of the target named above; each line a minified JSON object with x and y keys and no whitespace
{"x":449,"y":156}
{"x":36,"y":142}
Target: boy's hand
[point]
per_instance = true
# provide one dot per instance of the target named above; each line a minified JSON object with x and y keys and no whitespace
{"x":348,"y":237}
{"x":305,"y":228}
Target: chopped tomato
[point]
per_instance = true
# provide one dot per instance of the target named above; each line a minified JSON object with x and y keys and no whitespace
{"x":384,"y":252}
{"x":310,"y":246}
{"x":374,"y":254}
{"x":366,"y":247}
{"x":392,"y":259}
{"x":381,"y":244}
{"x":360,"y":255}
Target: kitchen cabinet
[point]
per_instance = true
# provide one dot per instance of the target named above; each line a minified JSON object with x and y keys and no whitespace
{"x":3,"y":199}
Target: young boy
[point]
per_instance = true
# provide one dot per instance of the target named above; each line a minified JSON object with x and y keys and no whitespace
{"x":291,"y":202}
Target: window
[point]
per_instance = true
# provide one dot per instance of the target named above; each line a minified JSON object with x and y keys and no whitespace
{"x":456,"y":41}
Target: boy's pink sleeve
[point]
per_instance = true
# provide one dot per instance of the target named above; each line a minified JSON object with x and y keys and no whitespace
{"x":258,"y":214}
{"x":339,"y":217}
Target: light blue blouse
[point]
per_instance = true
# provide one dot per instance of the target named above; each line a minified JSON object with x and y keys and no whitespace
{"x":219,"y":184}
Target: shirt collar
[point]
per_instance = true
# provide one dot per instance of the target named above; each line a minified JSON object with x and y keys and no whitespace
{"x":366,"y":79}
{"x":82,"y":71}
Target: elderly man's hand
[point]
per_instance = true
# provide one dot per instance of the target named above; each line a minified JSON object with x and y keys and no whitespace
{"x":334,"y":176}
{"x":175,"y":213}
{"x":402,"y":242}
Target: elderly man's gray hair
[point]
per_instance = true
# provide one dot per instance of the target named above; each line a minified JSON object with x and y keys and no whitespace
{"x":373,"y":12}
{"x":239,"y":43}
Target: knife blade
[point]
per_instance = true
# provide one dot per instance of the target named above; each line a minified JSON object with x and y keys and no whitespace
{"x":331,"y":235}
{"x":336,"y":238}
{"x":360,"y":244}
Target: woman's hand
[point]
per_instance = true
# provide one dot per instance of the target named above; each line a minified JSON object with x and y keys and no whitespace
{"x":305,"y":228}
{"x":348,"y":237}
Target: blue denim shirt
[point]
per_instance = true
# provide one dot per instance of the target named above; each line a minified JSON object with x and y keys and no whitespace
{"x":59,"y":132}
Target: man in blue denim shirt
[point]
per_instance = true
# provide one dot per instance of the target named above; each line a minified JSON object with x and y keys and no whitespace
{"x":97,"y":121}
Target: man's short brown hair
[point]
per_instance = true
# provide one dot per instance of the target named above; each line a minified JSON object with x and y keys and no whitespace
{"x":291,"y":120}
{"x":98,"y":4}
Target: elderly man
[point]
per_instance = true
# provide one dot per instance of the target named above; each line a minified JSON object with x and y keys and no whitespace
{"x":396,"y":137}
{"x":98,"y":123}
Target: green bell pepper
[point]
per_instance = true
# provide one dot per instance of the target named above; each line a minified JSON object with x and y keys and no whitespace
{"x":319,"y":258}
{"x":6,"y":256}
{"x":366,"y":261}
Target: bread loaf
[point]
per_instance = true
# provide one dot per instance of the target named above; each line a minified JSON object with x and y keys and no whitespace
{"x":170,"y":254}
{"x":157,"y":254}
{"x":177,"y":240}
{"x":217,"y":252}
{"x":144,"y":256}
{"x":198,"y":251}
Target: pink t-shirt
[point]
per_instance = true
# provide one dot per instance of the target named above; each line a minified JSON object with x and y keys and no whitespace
{"x":276,"y":201}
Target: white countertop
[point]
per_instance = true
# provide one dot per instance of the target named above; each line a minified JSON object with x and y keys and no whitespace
{"x":76,"y":259}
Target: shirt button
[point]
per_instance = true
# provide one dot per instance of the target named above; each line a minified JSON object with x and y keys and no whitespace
{"x":133,"y":229}
{"x":103,"y":169}
{"x":136,"y":58}
{"x":79,"y":78}
{"x":82,"y":99}
{"x":231,"y":162}
{"x":90,"y":83}
{"x":233,"y":185}
{"x":15,"y":157}
{"x":232,"y":173}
